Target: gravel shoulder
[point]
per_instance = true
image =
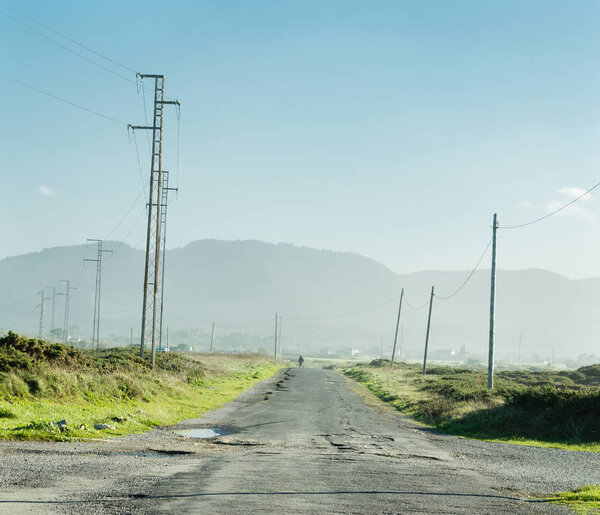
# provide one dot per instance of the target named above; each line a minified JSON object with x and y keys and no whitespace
{"x":303,"y":441}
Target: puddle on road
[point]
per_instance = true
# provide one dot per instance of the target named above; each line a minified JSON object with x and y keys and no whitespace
{"x":204,"y":432}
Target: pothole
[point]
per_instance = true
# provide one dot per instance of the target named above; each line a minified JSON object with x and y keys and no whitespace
{"x":203,"y":432}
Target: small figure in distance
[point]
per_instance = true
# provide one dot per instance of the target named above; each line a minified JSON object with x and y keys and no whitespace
{"x":300,"y":361}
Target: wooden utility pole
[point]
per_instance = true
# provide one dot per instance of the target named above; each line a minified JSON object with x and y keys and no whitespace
{"x":427,"y":334}
{"x":397,"y":325}
{"x":212,"y":335}
{"x":492,"y":306}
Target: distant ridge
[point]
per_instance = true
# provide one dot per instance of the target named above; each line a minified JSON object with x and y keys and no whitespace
{"x":238,"y":283}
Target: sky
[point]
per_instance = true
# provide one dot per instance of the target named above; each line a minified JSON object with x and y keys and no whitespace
{"x":395,"y":129}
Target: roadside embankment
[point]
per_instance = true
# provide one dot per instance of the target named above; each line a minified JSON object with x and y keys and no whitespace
{"x":57,"y":392}
{"x":556,"y":409}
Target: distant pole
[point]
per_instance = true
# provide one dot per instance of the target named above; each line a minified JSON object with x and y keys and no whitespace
{"x":276,"y":327}
{"x":519,"y":355}
{"x":492,"y":306}
{"x":427,"y":335}
{"x":42,"y":305}
{"x":397,"y":325}
{"x":212,"y":335}
{"x":552,"y":357}
{"x":98,"y":261}
{"x":168,"y":338}
{"x":52,"y":317}
{"x":131,"y":337}
{"x":67,"y":296}
{"x":382,"y":347}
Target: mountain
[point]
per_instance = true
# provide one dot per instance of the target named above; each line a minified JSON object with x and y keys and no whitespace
{"x":241,"y":284}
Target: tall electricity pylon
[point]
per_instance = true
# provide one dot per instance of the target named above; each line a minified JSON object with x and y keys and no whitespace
{"x":98,"y":261}
{"x":67,"y":295}
{"x":42,"y":306}
{"x":52,"y":318}
{"x":150,"y":307}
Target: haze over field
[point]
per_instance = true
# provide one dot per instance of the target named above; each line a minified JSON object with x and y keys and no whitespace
{"x":243,"y":283}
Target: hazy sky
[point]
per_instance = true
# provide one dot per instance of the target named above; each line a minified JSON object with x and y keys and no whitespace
{"x":390,"y":128}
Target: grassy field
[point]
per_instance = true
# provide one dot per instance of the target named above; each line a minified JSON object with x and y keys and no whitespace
{"x":43,"y":383}
{"x":584,"y":500}
{"x":554,"y":409}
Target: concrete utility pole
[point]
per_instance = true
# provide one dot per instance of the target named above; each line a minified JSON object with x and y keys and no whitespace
{"x":98,"y":261}
{"x":42,"y":305}
{"x":492,"y":306}
{"x":427,"y":334}
{"x":53,"y":336}
{"x":212,"y":336}
{"x":397,"y":324}
{"x":276,"y":327}
{"x":67,"y":295}
{"x":154,"y":242}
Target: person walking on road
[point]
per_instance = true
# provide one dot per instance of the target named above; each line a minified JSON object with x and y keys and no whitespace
{"x":300,"y":361}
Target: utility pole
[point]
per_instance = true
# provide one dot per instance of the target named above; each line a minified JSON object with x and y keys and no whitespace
{"x":67,"y":295}
{"x":492,"y":306}
{"x":41,"y":331}
{"x":552,"y":357}
{"x":53,"y":336}
{"x":98,"y":261}
{"x":382,"y":347}
{"x":397,"y":325}
{"x":519,"y":355}
{"x":163,"y":246}
{"x":276,"y":327}
{"x":131,"y":337}
{"x":427,"y":335}
{"x":212,"y":336}
{"x":150,"y":312}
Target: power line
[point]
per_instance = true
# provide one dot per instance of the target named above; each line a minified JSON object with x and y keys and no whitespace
{"x":65,"y":47}
{"x":62,"y":99}
{"x":68,"y":38}
{"x":551,"y":213}
{"x":347,"y":313}
{"x":413,"y":307}
{"x":469,"y":276}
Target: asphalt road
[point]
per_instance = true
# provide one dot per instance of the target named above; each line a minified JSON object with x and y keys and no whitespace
{"x":303,"y":442}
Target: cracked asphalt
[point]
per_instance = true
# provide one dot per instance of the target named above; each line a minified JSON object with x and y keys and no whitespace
{"x":305,"y":441}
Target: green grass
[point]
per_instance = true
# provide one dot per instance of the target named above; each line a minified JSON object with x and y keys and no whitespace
{"x":582,"y":500}
{"x":550,"y":409}
{"x":41,"y":384}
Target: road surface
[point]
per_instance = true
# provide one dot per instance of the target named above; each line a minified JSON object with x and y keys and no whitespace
{"x":303,"y":442}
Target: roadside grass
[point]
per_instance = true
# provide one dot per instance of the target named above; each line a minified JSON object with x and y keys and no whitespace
{"x":584,"y":500}
{"x":548,"y":409}
{"x":42,"y":383}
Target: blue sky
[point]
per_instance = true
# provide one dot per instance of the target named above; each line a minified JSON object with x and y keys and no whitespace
{"x":391,"y":128}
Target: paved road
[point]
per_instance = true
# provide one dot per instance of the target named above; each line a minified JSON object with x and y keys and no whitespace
{"x":304,"y":442}
{"x":321,"y":449}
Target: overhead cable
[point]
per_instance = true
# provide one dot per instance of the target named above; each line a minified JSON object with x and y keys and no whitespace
{"x":68,"y":38}
{"x":469,"y":276}
{"x":62,"y":99}
{"x":551,"y":213}
{"x":348,"y":313}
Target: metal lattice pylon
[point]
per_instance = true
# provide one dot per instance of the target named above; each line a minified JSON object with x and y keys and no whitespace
{"x":156,"y":223}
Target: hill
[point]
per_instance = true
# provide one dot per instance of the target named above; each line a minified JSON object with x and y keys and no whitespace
{"x":241,"y":284}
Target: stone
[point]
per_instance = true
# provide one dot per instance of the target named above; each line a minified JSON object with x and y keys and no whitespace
{"x":100,"y":427}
